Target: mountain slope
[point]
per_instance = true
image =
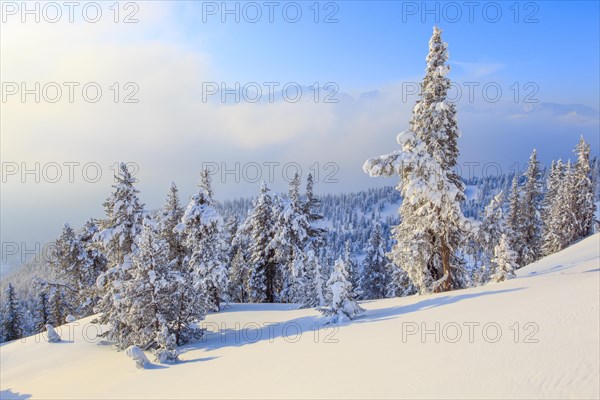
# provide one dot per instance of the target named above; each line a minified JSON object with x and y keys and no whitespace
{"x":255,"y":350}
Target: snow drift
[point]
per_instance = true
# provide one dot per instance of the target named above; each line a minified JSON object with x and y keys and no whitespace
{"x":535,"y":336}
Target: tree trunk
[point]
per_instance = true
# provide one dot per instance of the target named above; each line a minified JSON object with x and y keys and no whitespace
{"x":447,"y":285}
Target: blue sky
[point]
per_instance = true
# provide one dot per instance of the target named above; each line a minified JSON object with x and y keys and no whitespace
{"x":371,"y":45}
{"x":374,"y":53}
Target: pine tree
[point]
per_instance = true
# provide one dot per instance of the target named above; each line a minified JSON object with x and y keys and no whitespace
{"x":12,"y":315}
{"x":187,"y":304}
{"x":552,"y":223}
{"x":310,"y":207}
{"x":341,"y":305}
{"x":167,"y":352}
{"x":490,"y":231}
{"x":263,"y":267}
{"x":315,"y":287}
{"x":206,"y":184}
{"x":42,"y":312}
{"x":290,"y":242}
{"x":147,"y":291}
{"x":563,"y":226}
{"x":77,"y":265}
{"x":171,"y":214}
{"x":117,"y":239}
{"x":530,"y":213}
{"x":238,"y":276}
{"x":513,"y":220}
{"x":352,"y":267}
{"x":433,"y":227}
{"x":584,"y":191}
{"x":202,"y":225}
{"x":375,"y":278}
{"x":504,"y":261}
{"x":57,"y":314}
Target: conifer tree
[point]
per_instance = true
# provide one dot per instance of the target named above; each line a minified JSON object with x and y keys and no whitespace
{"x":202,"y":226}
{"x":433,"y":228}
{"x":352,"y":267}
{"x":146,"y":292}
{"x":341,"y":305}
{"x":504,"y":261}
{"x":117,"y":239}
{"x":290,"y":242}
{"x":374,"y":279}
{"x":584,"y":191}
{"x":513,"y":220}
{"x":263,"y":267}
{"x":42,"y":313}
{"x":491,"y":229}
{"x":552,"y":223}
{"x":12,"y":317}
{"x":187,"y":303}
{"x":530,"y":213}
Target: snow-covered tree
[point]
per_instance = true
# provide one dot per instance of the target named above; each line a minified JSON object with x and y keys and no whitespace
{"x":584,"y":191}
{"x":57,"y":308}
{"x":399,"y":283}
{"x":42,"y":312}
{"x":166,"y":352}
{"x":187,"y":304}
{"x":433,"y":228}
{"x":513,"y":219}
{"x":116,"y":238}
{"x":530,"y":213}
{"x":374,"y":279}
{"x":341,"y":305}
{"x":316,"y":282}
{"x":290,"y":242}
{"x":352,"y":267}
{"x":76,"y":264}
{"x":170,"y":217}
{"x":238,"y":276}
{"x":488,"y":236}
{"x":561,"y":226}
{"x":12,"y":317}
{"x":504,"y":262}
{"x":310,"y":207}
{"x":148,"y":290}
{"x":552,"y":221}
{"x":263,"y":267}
{"x":202,"y":226}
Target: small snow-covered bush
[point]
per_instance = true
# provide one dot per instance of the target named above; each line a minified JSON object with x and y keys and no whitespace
{"x":341,"y":305}
{"x":141,"y":361}
{"x":53,"y":337}
{"x":167,"y":352}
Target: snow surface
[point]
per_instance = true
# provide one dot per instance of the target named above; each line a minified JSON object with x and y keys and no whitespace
{"x":258,"y":354}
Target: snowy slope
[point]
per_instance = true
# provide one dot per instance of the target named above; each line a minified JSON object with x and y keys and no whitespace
{"x":555,"y":303}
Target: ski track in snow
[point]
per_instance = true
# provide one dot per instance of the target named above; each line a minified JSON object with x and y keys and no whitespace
{"x":254,"y":350}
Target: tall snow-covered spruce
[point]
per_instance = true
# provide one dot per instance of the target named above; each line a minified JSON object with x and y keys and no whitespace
{"x":433,"y":228}
{"x":584,"y":191}
{"x":375,"y":275}
{"x":202,"y":226}
{"x":530,"y":213}
{"x":117,"y":239}
{"x":263,"y":266}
